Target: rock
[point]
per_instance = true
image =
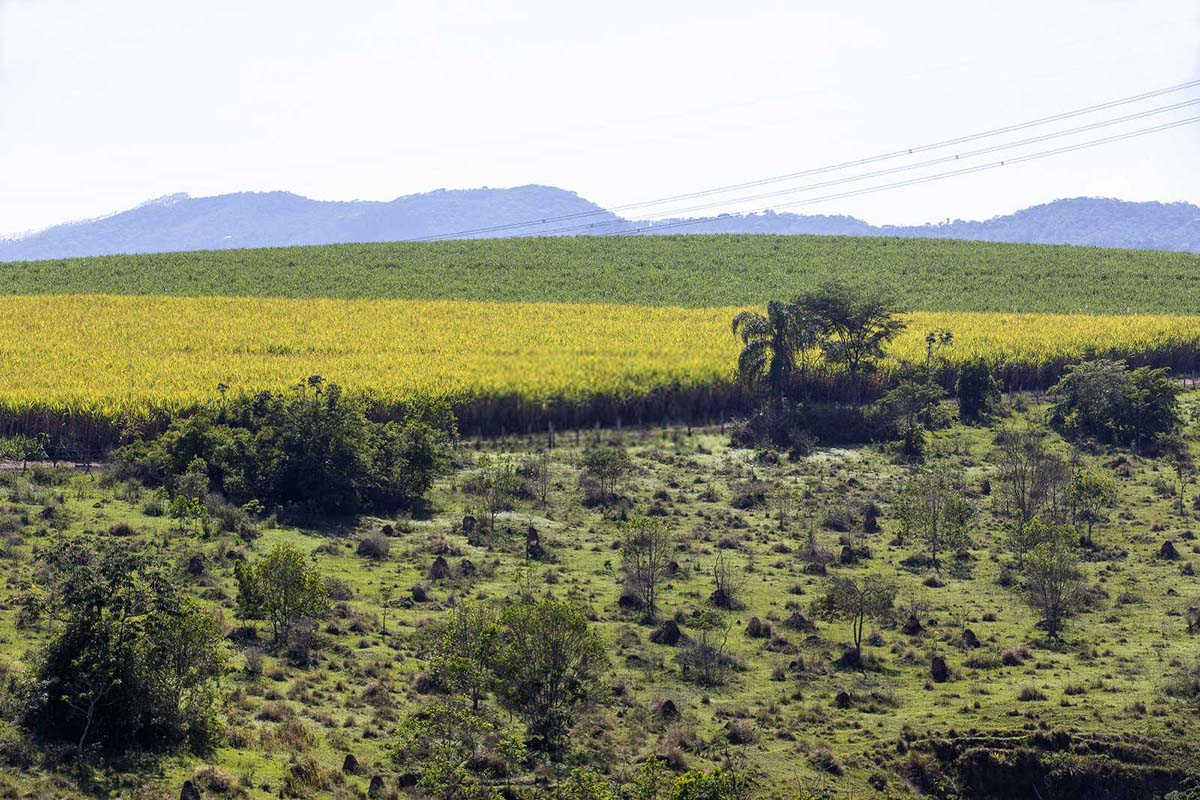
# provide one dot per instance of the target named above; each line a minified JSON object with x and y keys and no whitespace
{"x":350,"y":764}
{"x":799,"y":622}
{"x":419,"y":595}
{"x":757,"y":629}
{"x":439,"y":569}
{"x":814,"y":568}
{"x":912,"y":626}
{"x":196,"y":566}
{"x":672,"y":568}
{"x":189,"y":791}
{"x":848,"y":555}
{"x":629,"y":601}
{"x":1168,"y":551}
{"x":407,"y":780}
{"x":388,"y":530}
{"x":668,"y":710}
{"x":468,"y":524}
{"x":938,"y":670}
{"x":423,"y":683}
{"x":842,"y":700}
{"x":466,"y":568}
{"x":849,"y":659}
{"x":375,"y":789}
{"x":533,"y":545}
{"x":739,"y":732}
{"x":969,"y":639}
{"x":667,"y":633}
{"x":933,"y":582}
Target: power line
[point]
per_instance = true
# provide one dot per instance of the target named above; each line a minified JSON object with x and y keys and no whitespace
{"x":935,"y":161}
{"x":924,"y":179}
{"x":816,"y":170}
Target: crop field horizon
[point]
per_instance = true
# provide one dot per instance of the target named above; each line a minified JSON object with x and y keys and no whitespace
{"x":691,"y":271}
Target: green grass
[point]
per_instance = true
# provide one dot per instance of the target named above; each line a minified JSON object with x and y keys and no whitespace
{"x":1106,"y":680}
{"x":694,"y":271}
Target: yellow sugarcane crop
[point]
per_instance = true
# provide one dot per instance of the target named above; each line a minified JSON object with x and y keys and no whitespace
{"x":113,"y":352}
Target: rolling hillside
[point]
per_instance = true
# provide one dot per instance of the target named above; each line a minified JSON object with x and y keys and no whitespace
{"x":694,"y":271}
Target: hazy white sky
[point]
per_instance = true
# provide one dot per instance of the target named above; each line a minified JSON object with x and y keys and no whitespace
{"x":104,"y":105}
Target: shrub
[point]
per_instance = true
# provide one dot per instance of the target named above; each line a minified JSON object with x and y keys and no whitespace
{"x":977,"y":389}
{"x":135,"y":662}
{"x":312,"y":449}
{"x":282,"y":587}
{"x":1106,"y":401}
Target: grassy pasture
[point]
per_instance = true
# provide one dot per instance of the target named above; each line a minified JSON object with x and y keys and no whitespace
{"x":1103,"y":684}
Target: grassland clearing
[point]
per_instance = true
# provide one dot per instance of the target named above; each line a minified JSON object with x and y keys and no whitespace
{"x":1102,"y":687}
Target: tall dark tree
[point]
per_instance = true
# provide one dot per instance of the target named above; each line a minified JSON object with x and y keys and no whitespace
{"x":857,"y":324}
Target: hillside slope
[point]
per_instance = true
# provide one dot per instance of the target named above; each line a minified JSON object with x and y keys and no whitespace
{"x":274,"y":219}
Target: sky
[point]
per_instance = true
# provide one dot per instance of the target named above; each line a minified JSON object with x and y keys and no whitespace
{"x":106,"y":105}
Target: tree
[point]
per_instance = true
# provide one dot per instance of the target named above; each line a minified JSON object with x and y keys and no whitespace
{"x":22,"y":448}
{"x":284,"y":587}
{"x":704,"y":659}
{"x":911,"y":404}
{"x":857,"y":324}
{"x":775,"y":346}
{"x":1106,"y":401}
{"x":442,"y":741}
{"x":550,"y":661}
{"x":537,"y":471}
{"x":607,"y":465}
{"x":1030,"y":476}
{"x":1053,"y":582}
{"x":312,"y":449}
{"x":1088,"y":495}
{"x":977,"y":389}
{"x":934,"y":511}
{"x":466,"y":649}
{"x":134,"y":663}
{"x":1178,"y":455}
{"x":727,"y":583}
{"x":645,"y":553}
{"x":782,"y":500}
{"x":856,"y":601}
{"x":497,"y":485}
{"x":1024,"y":538}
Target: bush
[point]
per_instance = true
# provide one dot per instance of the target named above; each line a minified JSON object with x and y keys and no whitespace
{"x":135,"y":663}
{"x":977,"y":389}
{"x":283,"y":587}
{"x":312,"y":449}
{"x":1106,"y":401}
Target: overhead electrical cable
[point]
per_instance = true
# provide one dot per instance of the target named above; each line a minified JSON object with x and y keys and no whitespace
{"x":927,"y":178}
{"x":909,"y":151}
{"x":929,"y":162}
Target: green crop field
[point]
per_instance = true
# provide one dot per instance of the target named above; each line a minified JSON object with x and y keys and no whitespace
{"x":693,"y":271}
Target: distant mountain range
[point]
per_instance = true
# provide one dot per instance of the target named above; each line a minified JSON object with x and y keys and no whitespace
{"x":270,"y":219}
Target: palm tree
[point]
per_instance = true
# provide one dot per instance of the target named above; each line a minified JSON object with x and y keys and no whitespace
{"x":769,"y":346}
